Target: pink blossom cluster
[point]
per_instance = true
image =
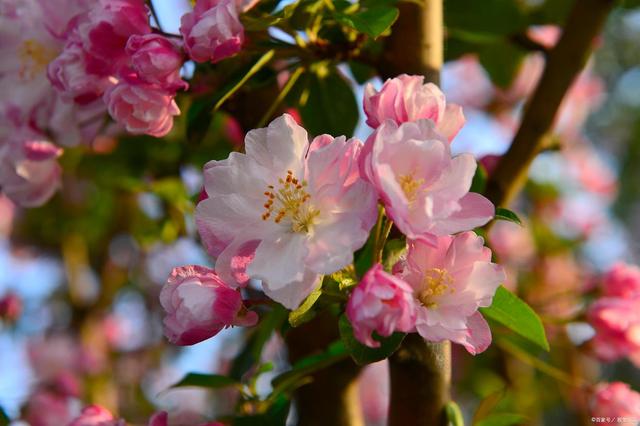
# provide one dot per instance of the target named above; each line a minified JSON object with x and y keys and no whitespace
{"x":615,"y":403}
{"x":616,"y":316}
{"x":290,"y":210}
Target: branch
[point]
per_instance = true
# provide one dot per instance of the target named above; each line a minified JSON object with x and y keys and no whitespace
{"x":564,"y":63}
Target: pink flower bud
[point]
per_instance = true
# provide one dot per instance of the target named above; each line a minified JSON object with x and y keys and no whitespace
{"x":407,"y":98}
{"x":615,"y":400}
{"x":212,"y":32}
{"x":95,"y":415}
{"x":622,"y":280}
{"x":157,"y":60}
{"x":199,"y":304}
{"x":142,"y":108}
{"x":382,"y":303}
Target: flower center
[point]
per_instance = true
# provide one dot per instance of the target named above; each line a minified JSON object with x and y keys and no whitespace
{"x":410,"y":186}
{"x":290,"y":201}
{"x":34,"y":58}
{"x":436,"y":282}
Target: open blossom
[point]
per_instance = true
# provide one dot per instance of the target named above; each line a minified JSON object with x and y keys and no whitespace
{"x":425,"y":190}
{"x":47,"y":408}
{"x":407,"y":98}
{"x":286,"y":211}
{"x":615,"y":400}
{"x":142,"y":108}
{"x":617,"y":324}
{"x":450,"y":282}
{"x":199,"y":304}
{"x":157,"y":60}
{"x":29,"y":170}
{"x":213,"y":31}
{"x":622,"y":280}
{"x":382,"y":303}
{"x":95,"y":415}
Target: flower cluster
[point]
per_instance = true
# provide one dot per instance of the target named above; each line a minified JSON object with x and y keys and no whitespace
{"x":616,"y":316}
{"x":290,"y":210}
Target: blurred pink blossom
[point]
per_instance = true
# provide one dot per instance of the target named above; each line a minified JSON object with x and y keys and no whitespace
{"x":213,"y":31}
{"x":617,"y":325}
{"x":161,"y":418}
{"x":157,"y":60}
{"x":622,"y":280}
{"x":199,"y":304}
{"x":45,"y":408}
{"x":450,"y":282}
{"x":10,"y":307}
{"x":382,"y":303}
{"x":425,"y":190}
{"x":615,"y":401}
{"x":95,"y":415}
{"x":406,"y":98}
{"x":373,"y":386}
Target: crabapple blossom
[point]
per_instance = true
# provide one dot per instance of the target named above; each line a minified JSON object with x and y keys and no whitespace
{"x":622,"y":280}
{"x":617,"y":324}
{"x":615,"y":400}
{"x":425,"y":190}
{"x":286,"y":211}
{"x":199,"y":304}
{"x":450,"y":282}
{"x":407,"y":98}
{"x":157,"y":60}
{"x":95,"y":415}
{"x":142,"y":108}
{"x":47,"y":408}
{"x":382,"y":303}
{"x":29,"y":171}
{"x":213,"y":31}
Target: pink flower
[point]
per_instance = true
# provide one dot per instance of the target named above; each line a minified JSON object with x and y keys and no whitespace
{"x":213,"y":31}
{"x":615,"y":400}
{"x":161,"y":418}
{"x":29,"y":170}
{"x":286,"y":211}
{"x":450,"y":282}
{"x":425,"y":190}
{"x":407,"y":98}
{"x":95,"y":415}
{"x":199,"y":304}
{"x":382,"y":303}
{"x":142,"y":108}
{"x":622,"y":280}
{"x":10,"y":307}
{"x":157,"y":60}
{"x":68,"y":73}
{"x":617,"y":325}
{"x":46,"y":408}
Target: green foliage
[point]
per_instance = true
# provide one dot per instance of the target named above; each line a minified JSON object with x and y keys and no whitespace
{"x":454,"y":415}
{"x":393,"y":251}
{"x":502,"y":60}
{"x":502,"y":419}
{"x":209,"y":381}
{"x":276,"y":415}
{"x":479,"y":182}
{"x":373,"y":21}
{"x":305,"y":312}
{"x":496,"y":17}
{"x":510,"y":311}
{"x":364,"y":256}
{"x":4,"y":419}
{"x":362,"y":354}
{"x":328,"y":104}
{"x":508,"y":215}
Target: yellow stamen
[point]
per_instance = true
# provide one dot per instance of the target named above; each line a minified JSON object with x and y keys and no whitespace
{"x":410,"y":186}
{"x":290,"y":201}
{"x":436,"y":283}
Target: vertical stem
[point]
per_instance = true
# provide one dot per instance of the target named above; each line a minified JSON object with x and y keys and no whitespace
{"x":420,"y":371}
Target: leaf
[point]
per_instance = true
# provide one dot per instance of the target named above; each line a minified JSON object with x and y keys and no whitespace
{"x":257,"y":66}
{"x":502,"y":61}
{"x":199,"y":119}
{"x":261,"y":22}
{"x":304,"y":312}
{"x":361,"y":72}
{"x":454,"y":415}
{"x":392,"y":252}
{"x":4,"y":419}
{"x":508,"y":215}
{"x":362,"y":354}
{"x":501,"y":17}
{"x":510,"y":311}
{"x":297,"y":376}
{"x":487,"y":405}
{"x":372,"y":21}
{"x":276,"y":415}
{"x":479,"y":182}
{"x":331,"y":106}
{"x":502,"y":419}
{"x":210,"y":381}
{"x":364,"y":257}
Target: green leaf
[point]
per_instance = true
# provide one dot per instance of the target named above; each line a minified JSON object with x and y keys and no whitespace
{"x":508,"y":215}
{"x":364,"y":257}
{"x":276,"y":415}
{"x":362,"y":354}
{"x":487,"y":405}
{"x":235,"y":86}
{"x":479,"y":182}
{"x":199,"y":119}
{"x":298,"y":375}
{"x":510,"y":311}
{"x":304,"y":312}
{"x":261,"y":21}
{"x":502,"y":419}
{"x":330,"y":105}
{"x":501,"y":17}
{"x":4,"y":419}
{"x":454,"y":415}
{"x":372,"y":21}
{"x":502,"y":61}
{"x":361,"y":72}
{"x":210,"y":381}
{"x":392,"y":252}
